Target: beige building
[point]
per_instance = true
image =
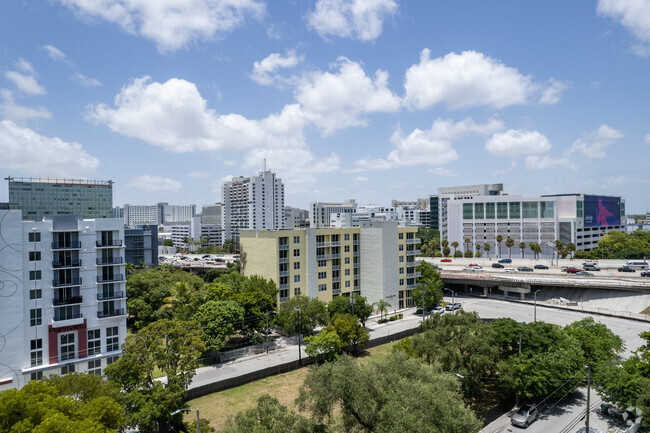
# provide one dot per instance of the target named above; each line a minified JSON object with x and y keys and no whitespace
{"x":376,"y":260}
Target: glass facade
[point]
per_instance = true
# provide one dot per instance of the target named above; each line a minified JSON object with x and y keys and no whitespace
{"x":530,"y":209}
{"x":467,"y":211}
{"x":489,"y":210}
{"x":43,"y":197}
{"x":579,"y":209}
{"x":515,"y":209}
{"x":478,"y":210}
{"x":502,"y":210}
{"x":547,"y":209}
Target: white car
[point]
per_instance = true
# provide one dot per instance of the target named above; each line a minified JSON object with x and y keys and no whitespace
{"x":510,"y":270}
{"x":473,"y":268}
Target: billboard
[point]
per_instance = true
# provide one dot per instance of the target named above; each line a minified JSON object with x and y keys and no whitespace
{"x":602,"y":211}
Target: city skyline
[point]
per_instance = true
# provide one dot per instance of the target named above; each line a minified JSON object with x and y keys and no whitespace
{"x":342,"y":99}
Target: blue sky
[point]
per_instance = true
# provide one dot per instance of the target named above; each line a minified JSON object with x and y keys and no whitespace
{"x":372,"y":100}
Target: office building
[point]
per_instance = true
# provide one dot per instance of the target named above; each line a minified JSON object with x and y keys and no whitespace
{"x":159,"y":214}
{"x":141,"y":245}
{"x":577,"y":218}
{"x":252,"y":203}
{"x":376,"y":260}
{"x":295,"y":218}
{"x":211,"y":214}
{"x":63,"y":290}
{"x":320,"y":212}
{"x":192,"y":235}
{"x":41,"y":197}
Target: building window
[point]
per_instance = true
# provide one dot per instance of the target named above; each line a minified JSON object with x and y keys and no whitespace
{"x":478,"y":211}
{"x":401,"y":281}
{"x":35,"y":237}
{"x":347,"y":260}
{"x":35,"y":317}
{"x":296,"y":239}
{"x":296,"y":253}
{"x":347,"y":272}
{"x":502,"y":210}
{"x":547,"y":209}
{"x":322,"y":275}
{"x":322,"y":287}
{"x":322,"y":263}
{"x":66,"y":369}
{"x":112,"y":359}
{"x":34,"y":256}
{"x":67,"y":350}
{"x":36,"y":352}
{"x":347,"y":248}
{"x":34,"y":275}
{"x":530,"y":209}
{"x":296,"y":278}
{"x":401,"y":247}
{"x":94,"y":342}
{"x":401,"y":271}
{"x":467,"y":211}
{"x":35,"y":294}
{"x":346,"y":236}
{"x":401,"y":259}
{"x":95,"y":367}
{"x":489,"y":210}
{"x":401,"y":236}
{"x":296,"y":291}
{"x":37,"y":375}
{"x":112,"y":339}
{"x":347,"y":284}
{"x":296,"y":266}
{"x":515,"y":209}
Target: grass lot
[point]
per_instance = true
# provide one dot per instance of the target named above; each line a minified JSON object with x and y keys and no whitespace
{"x":220,"y":406}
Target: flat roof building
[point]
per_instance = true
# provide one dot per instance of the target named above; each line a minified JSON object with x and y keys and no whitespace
{"x":43,"y":196}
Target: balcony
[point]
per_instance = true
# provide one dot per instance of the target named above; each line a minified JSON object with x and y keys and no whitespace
{"x":283,"y":247}
{"x":328,"y":244}
{"x":414,"y":275}
{"x":413,"y":241}
{"x":108,"y":244}
{"x":71,"y":282}
{"x":357,"y":265}
{"x":412,"y":264}
{"x":110,"y":313}
{"x":284,"y":273}
{"x":356,"y":253}
{"x":356,"y":242}
{"x":283,"y":286}
{"x":284,"y":260}
{"x":413,"y":252}
{"x":336,"y":267}
{"x":110,"y":261}
{"x":67,"y":301}
{"x":336,"y":291}
{"x":69,"y":264}
{"x":109,"y":278}
{"x":284,"y":299}
{"x":336,"y":279}
{"x":109,"y":296}
{"x":64,"y":317}
{"x":72,"y":245}
{"x":411,"y":286}
{"x":328,"y":256}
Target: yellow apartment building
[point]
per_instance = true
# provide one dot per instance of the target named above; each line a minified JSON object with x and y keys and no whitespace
{"x":375,"y":260}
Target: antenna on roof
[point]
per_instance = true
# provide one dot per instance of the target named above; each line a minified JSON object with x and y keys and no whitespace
{"x":264,"y":166}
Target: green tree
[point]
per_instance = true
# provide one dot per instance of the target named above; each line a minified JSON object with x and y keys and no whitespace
{"x":454,"y":245}
{"x":499,"y":240}
{"x":180,"y":300}
{"x":168,"y":243}
{"x":269,"y":416}
{"x":469,"y":254}
{"x":426,"y":235}
{"x":487,"y":247}
{"x":218,"y":319}
{"x":509,"y":244}
{"x":173,"y":347}
{"x":571,"y":248}
{"x":350,"y":331}
{"x":536,"y":249}
{"x":467,"y":241}
{"x":382,"y":307}
{"x":313,"y":313}
{"x":326,"y":343}
{"x":599,"y":344}
{"x":478,"y":250}
{"x":391,"y":394}
{"x":227,"y":246}
{"x":342,"y":305}
{"x":522,"y":247}
{"x":445,"y":248}
{"x":43,"y":406}
{"x":429,"y":285}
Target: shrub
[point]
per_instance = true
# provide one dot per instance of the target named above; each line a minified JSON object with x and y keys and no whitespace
{"x":400,"y":316}
{"x":382,"y":320}
{"x":392,"y":318}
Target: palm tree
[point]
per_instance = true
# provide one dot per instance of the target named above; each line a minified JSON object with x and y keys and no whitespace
{"x":487,"y":247}
{"x":454,"y":244}
{"x":571,"y":248}
{"x":522,"y":247}
{"x":382,"y":306}
{"x":510,"y":243}
{"x":499,"y":240}
{"x":466,"y":241}
{"x":478,"y":249}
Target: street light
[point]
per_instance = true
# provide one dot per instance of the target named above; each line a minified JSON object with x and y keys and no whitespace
{"x":452,"y":294}
{"x":535,"y":307}
{"x":187,"y":409}
{"x":299,"y":335}
{"x":267,"y":329}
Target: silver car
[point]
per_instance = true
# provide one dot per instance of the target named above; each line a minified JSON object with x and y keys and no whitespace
{"x":526,"y":414}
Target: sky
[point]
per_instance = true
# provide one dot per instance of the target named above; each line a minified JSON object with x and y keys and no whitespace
{"x":371,"y":100}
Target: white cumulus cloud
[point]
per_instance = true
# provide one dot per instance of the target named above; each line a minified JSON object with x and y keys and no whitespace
{"x":647,"y":139}
{"x":86,"y":81}
{"x":171,"y":24}
{"x":54,"y":53}
{"x":25,"y":80}
{"x":27,"y":151}
{"x":9,"y":109}
{"x":336,"y":100}
{"x":594,"y":143}
{"x":471,"y":79}
{"x":432,"y":147}
{"x":515,"y":142}
{"x":358,"y":19}
{"x":634,"y":15}
{"x":552,"y":93}
{"x":537,"y":162}
{"x":155,"y":183}
{"x":265,"y":72}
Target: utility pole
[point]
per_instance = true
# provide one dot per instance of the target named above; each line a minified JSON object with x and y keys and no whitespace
{"x":267,"y":332}
{"x":588,"y":392}
{"x":299,"y":339}
{"x":517,"y":393}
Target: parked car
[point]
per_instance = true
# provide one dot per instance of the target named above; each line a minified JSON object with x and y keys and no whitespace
{"x":454,"y":306}
{"x":572,"y":270}
{"x":645,"y":273}
{"x":524,"y":269}
{"x":497,"y":265}
{"x":590,"y":262}
{"x":474,"y":265}
{"x":584,"y":274}
{"x":446,"y":260}
{"x":510,"y":270}
{"x":526,"y":414}
{"x":220,"y":260}
{"x":505,"y":261}
{"x":438,"y":310}
{"x":591,"y":268}
{"x":625,"y":269}
{"x":473,"y":268}
{"x":236,"y":257}
{"x":541,"y":267}
{"x":207,"y":256}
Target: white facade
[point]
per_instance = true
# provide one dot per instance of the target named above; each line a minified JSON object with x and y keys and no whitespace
{"x":63,"y":289}
{"x":140,"y":214}
{"x":252,"y":203}
{"x":198,"y":233}
{"x":158,"y":214}
{"x":295,"y":218}
{"x":320,"y":212}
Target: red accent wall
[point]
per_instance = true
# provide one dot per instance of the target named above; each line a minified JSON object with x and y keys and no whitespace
{"x":82,"y":349}
{"x":53,"y":341}
{"x":53,"y":344}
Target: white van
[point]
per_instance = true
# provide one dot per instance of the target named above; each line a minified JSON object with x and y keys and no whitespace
{"x":589,"y":262}
{"x":637,"y":264}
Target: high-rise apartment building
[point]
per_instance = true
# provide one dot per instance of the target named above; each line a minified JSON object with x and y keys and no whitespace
{"x":295,"y":218}
{"x":40,"y":197}
{"x":320,"y":213}
{"x":252,"y":203}
{"x":63,"y":291}
{"x":159,"y":214}
{"x":141,"y":245}
{"x":376,"y":260}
